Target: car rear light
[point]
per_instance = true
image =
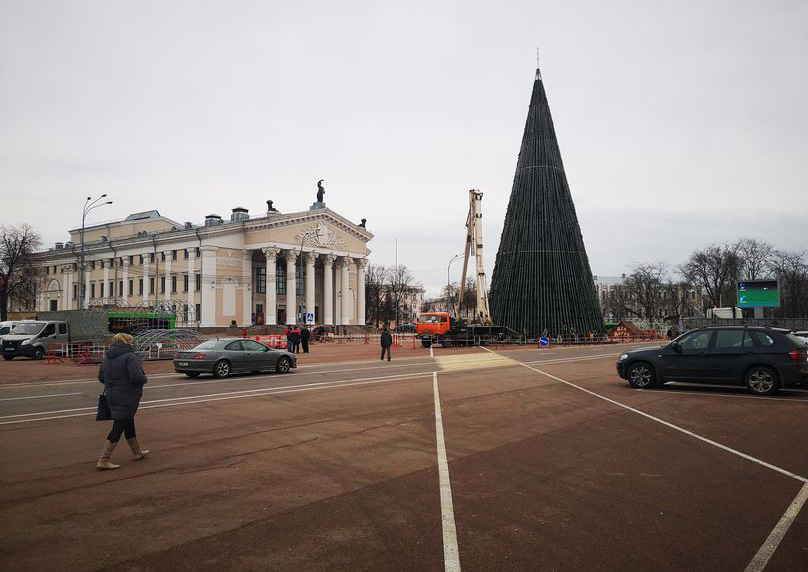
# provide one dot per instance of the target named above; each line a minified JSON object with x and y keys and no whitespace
{"x":798,"y":354}
{"x":199,"y":356}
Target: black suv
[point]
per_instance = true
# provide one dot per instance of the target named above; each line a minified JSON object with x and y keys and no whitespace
{"x":764,"y":359}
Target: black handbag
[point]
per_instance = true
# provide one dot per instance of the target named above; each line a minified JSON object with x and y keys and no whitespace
{"x":103,"y":414}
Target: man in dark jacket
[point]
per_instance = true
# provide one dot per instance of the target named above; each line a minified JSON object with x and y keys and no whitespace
{"x":386,"y":340}
{"x":305,"y":334}
{"x":294,"y":338}
{"x":123,"y":378}
{"x":288,"y":338}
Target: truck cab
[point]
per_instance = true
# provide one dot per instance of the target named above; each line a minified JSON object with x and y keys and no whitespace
{"x":33,"y":339}
{"x":433,"y":324}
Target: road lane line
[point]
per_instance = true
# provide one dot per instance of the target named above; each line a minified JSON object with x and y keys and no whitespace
{"x":39,"y":396}
{"x":431,"y":352}
{"x":674,"y":392}
{"x":451,"y":555}
{"x":676,"y":427}
{"x":765,"y":552}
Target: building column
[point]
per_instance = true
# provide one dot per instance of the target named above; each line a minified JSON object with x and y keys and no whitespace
{"x":271,"y":287}
{"x":247,"y":289}
{"x":337,"y":293}
{"x":167,"y":293}
{"x":191,"y":281}
{"x":291,"y":283}
{"x":87,"y":276}
{"x":66,"y":291}
{"x":126,"y":292}
{"x":345,"y":285}
{"x":328,"y":290}
{"x":145,"y":277}
{"x":208,"y":294}
{"x":107,"y":293}
{"x":310,"y":258}
{"x":361,"y":264}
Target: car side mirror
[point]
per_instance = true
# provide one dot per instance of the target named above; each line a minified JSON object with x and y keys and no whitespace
{"x":676,"y":347}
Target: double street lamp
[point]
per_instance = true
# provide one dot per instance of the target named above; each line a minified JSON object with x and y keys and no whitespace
{"x":89,"y":205}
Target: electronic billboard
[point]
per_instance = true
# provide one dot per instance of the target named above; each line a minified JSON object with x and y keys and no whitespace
{"x":758,"y":294}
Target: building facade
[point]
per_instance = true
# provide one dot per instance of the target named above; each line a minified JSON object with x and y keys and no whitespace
{"x":274,"y":269}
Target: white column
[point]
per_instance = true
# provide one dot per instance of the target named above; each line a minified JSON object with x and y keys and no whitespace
{"x":145,"y":276}
{"x":328,"y":290}
{"x":107,"y":293}
{"x":337,"y":293}
{"x":360,"y":291}
{"x":66,"y":291}
{"x":310,"y":258}
{"x":345,"y":283}
{"x":247,"y":289}
{"x":271,"y":287}
{"x":192,"y":280}
{"x":167,"y":294}
{"x":291,"y":281}
{"x":208,"y":294}
{"x":126,"y":292}
{"x":87,"y":276}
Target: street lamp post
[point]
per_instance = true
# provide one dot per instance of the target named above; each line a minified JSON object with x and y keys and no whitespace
{"x":89,"y":205}
{"x":449,"y":281}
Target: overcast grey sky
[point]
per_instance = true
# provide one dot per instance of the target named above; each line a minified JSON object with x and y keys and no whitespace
{"x":680,"y":123}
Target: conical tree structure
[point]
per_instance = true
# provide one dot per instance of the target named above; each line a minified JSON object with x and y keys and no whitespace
{"x":542,"y":283}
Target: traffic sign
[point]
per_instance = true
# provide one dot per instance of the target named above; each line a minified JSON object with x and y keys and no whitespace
{"x":544,"y":342}
{"x":309,"y":318}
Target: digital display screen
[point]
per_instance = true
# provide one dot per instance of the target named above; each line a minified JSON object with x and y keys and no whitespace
{"x":758,"y":294}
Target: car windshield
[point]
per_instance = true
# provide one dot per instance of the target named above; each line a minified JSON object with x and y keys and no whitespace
{"x":428,"y":319}
{"x":208,"y":345}
{"x":28,"y":329}
{"x":5,"y":330}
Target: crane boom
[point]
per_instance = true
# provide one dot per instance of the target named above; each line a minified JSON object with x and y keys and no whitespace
{"x":474,"y":246}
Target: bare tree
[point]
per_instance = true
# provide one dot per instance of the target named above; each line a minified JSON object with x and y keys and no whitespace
{"x":645,"y":284}
{"x":375,"y":281}
{"x":714,"y":269}
{"x":617,"y":303}
{"x":791,"y":268}
{"x":18,"y":276}
{"x":755,"y":258}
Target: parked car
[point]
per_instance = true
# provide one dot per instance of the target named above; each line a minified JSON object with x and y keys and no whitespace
{"x":33,"y":338}
{"x":6,"y":327}
{"x":232,"y":355}
{"x":802,"y":334}
{"x":764,"y":359}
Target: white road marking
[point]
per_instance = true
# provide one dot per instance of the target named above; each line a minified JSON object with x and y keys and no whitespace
{"x":38,"y":396}
{"x":674,"y":392}
{"x":190,"y":400}
{"x":486,"y":349}
{"x":451,"y":554}
{"x":431,"y":351}
{"x":676,"y":427}
{"x":765,"y":552}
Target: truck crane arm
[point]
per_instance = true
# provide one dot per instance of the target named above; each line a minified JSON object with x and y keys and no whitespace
{"x":474,"y":246}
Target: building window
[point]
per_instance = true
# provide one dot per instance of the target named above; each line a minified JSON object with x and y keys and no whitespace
{"x":75,"y":266}
{"x":198,"y":312}
{"x":101,"y":288}
{"x":185,"y":284}
{"x":92,"y":265}
{"x":151,"y":285}
{"x":198,"y":252}
{"x":151,"y":257}
{"x":162,"y":257}
{"x":300,"y":280}
{"x":185,"y":253}
{"x":280,"y":279}
{"x":140,"y":286}
{"x":131,"y":260}
{"x":261,"y":280}
{"x":173,"y":283}
{"x":120,"y":287}
{"x":162,"y":284}
{"x":198,"y":283}
{"x":111,"y":288}
{"x":92,"y":290}
{"x":75,"y":291}
{"x":173,"y":255}
{"x":131,"y":287}
{"x":141,"y":259}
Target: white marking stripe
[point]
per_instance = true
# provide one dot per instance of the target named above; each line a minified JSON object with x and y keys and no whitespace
{"x":765,"y":552}
{"x":451,"y":555}
{"x":676,"y":427}
{"x":39,"y":396}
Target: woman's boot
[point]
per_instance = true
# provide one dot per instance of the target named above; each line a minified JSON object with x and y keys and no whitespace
{"x":103,"y":461}
{"x":139,"y":454}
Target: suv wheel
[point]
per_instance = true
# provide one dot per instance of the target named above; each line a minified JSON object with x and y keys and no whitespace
{"x":761,"y":380}
{"x":221,"y":369}
{"x":641,"y":375}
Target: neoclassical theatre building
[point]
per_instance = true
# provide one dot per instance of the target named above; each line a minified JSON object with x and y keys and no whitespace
{"x":279,"y":268}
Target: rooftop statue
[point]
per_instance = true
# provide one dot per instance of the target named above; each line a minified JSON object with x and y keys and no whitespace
{"x":320,"y":191}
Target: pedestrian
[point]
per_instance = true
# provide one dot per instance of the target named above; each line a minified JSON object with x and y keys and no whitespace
{"x":123,"y":378}
{"x":289,"y":338}
{"x":294,"y":337}
{"x":386,"y":340}
{"x":305,"y":334}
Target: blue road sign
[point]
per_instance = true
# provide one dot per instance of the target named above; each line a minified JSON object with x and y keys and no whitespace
{"x":544,"y":342}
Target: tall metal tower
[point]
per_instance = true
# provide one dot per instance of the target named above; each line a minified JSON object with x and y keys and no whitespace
{"x":542,"y":283}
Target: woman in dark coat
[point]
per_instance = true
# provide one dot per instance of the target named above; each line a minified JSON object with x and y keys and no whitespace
{"x":123,"y":378}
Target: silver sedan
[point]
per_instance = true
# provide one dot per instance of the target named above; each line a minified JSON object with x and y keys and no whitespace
{"x":232,"y":355}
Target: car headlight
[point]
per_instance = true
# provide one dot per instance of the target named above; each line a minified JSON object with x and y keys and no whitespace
{"x":25,"y":342}
{"x":622,"y":357}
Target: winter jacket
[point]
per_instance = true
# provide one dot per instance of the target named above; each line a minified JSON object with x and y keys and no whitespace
{"x":386,"y":340}
{"x":294,"y":337}
{"x":123,"y":378}
{"x":305,"y":334}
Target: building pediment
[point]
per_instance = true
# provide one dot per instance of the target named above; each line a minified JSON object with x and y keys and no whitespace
{"x":322,"y":229}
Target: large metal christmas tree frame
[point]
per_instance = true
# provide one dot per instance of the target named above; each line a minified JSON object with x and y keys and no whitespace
{"x":542,"y":283}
